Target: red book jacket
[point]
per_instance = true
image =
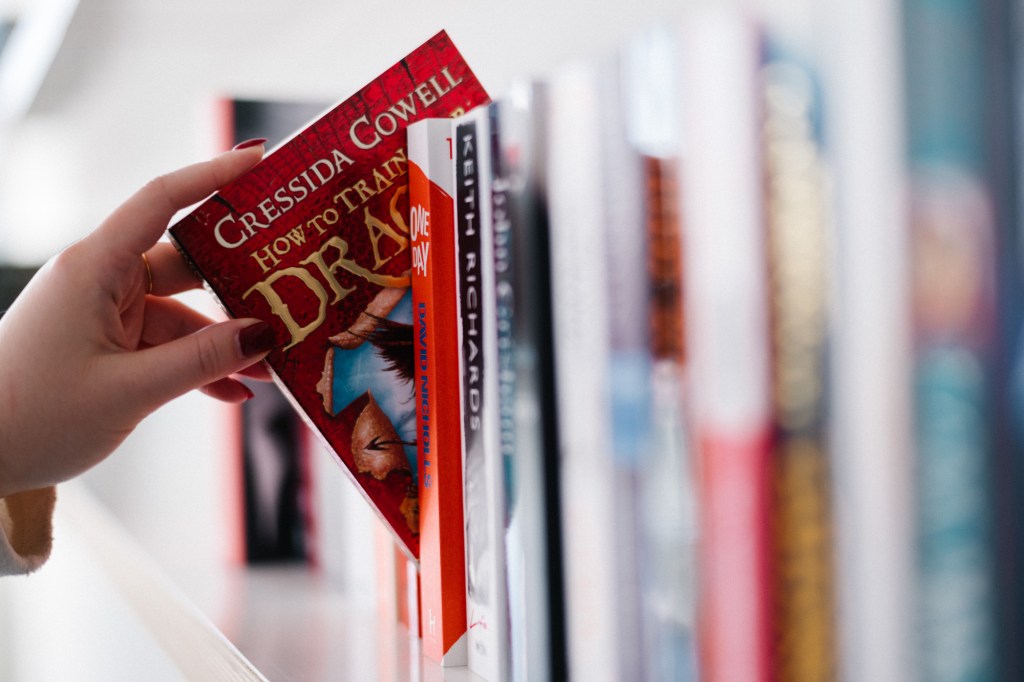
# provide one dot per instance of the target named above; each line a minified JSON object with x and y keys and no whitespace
{"x":315,"y":240}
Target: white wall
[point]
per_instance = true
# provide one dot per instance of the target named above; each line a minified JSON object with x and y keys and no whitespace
{"x":130,"y":92}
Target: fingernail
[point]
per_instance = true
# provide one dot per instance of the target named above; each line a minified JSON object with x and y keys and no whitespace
{"x":249,"y":395}
{"x":256,"y":338}
{"x":254,"y":142}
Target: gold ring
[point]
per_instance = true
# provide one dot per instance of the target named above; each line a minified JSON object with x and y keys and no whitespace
{"x":149,"y":275}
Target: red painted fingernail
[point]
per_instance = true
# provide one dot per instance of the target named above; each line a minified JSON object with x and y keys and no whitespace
{"x":254,"y":142}
{"x":256,"y":338}
{"x":249,"y":395}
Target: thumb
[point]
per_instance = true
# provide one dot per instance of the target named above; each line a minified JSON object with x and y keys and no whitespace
{"x":164,"y":372}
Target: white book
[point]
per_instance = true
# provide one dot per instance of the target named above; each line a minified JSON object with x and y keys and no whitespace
{"x":727,"y":334}
{"x":870,"y":392}
{"x":581,"y":323}
{"x":602,"y":360}
{"x":442,"y":563}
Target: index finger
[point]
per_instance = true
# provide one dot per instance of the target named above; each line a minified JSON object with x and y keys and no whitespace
{"x":139,"y":222}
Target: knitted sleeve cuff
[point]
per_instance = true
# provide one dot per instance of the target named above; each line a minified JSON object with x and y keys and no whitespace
{"x":26,"y":530}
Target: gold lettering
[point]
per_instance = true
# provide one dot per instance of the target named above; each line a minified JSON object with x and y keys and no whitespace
{"x":377,"y":229}
{"x":265,"y":258}
{"x":382,"y":182}
{"x":343,"y":195}
{"x":425,"y":95}
{"x":397,"y":214}
{"x":344,"y":263}
{"x":369,"y":143}
{"x":317,"y":259}
{"x":384,"y":177}
{"x":364,"y":191}
{"x":277,"y":305}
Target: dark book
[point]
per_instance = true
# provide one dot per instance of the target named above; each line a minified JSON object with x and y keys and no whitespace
{"x":486,"y":592}
{"x":272,"y":456}
{"x":952,"y":235}
{"x":527,"y":397}
{"x":1004,"y":128}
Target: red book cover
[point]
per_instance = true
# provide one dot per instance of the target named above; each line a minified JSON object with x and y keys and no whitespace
{"x":438,"y":381}
{"x":315,"y":240}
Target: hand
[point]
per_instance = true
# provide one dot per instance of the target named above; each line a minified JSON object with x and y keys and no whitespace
{"x":92,"y":346}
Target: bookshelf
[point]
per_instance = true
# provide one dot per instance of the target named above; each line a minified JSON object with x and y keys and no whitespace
{"x":288,"y":621}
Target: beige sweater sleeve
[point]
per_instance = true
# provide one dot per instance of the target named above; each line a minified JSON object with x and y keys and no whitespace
{"x":26,"y":530}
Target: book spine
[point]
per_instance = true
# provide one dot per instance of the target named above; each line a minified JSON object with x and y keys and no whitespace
{"x":439,"y":439}
{"x":486,"y":594}
{"x":475,"y":271}
{"x":504,"y":375}
{"x":581,"y":313}
{"x":666,"y":488}
{"x":504,"y":311}
{"x":1004,"y":128}
{"x":667,"y":491}
{"x":728,"y":340}
{"x":870,"y":347}
{"x":529,"y":410}
{"x":952,"y":236}
{"x":628,"y":339}
{"x":796,"y":237}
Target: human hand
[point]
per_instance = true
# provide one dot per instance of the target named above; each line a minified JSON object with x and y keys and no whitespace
{"x":93,"y":345}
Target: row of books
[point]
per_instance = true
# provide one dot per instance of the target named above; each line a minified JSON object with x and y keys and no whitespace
{"x":708,"y":350}
{"x":594,"y":249}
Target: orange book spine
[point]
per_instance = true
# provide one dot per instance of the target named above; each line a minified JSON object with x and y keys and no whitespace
{"x":439,"y":435}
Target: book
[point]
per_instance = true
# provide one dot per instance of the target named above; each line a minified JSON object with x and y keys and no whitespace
{"x":727,"y":339}
{"x":602,"y":362}
{"x":580,"y":316}
{"x":438,"y":385}
{"x":527,"y":394}
{"x":952,"y":237}
{"x":483,"y":485}
{"x":314,"y":240}
{"x":667,"y":490}
{"x":666,"y":487}
{"x":869,"y":367}
{"x":797,"y":222}
{"x":1004,"y":130}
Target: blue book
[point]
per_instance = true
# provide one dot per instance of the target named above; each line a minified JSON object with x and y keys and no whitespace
{"x":952,"y":241}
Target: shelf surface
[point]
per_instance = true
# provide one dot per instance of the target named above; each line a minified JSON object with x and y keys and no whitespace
{"x":102,"y":609}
